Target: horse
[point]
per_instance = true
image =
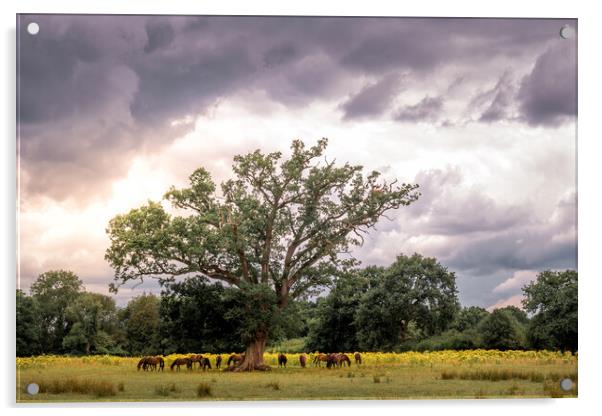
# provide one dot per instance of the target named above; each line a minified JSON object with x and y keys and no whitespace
{"x":218,"y":361}
{"x":282,"y":360}
{"x":302,"y":360}
{"x":196,"y":358}
{"x":152,"y":362}
{"x":206,"y":363}
{"x":358,"y":358}
{"x":141,"y":363}
{"x":343,"y":358}
{"x":182,"y":361}
{"x":319,"y":358}
{"x":332,"y":360}
{"x":236,"y":359}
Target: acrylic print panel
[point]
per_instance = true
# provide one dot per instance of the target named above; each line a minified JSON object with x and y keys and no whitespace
{"x":289,"y":208}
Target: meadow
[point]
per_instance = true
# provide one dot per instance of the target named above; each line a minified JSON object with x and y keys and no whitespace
{"x":411,"y":375}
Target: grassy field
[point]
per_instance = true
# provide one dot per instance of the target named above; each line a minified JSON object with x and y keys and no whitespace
{"x":435,"y":375}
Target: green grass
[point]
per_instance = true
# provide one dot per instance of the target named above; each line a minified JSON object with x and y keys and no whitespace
{"x":96,"y":381}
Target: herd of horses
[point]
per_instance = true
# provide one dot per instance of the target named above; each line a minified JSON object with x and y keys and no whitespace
{"x":331,"y":360}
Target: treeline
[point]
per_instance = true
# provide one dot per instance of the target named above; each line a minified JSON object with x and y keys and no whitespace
{"x":410,"y":305}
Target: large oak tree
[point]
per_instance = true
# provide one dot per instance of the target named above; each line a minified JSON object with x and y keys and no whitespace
{"x":277,"y":230}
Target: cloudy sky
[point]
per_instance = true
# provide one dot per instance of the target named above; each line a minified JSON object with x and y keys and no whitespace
{"x":481,"y":113}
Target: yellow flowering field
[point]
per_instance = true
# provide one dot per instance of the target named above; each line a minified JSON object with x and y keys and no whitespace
{"x":409,"y":375}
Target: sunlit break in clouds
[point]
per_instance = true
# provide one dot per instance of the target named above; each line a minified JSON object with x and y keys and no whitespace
{"x":481,"y":113}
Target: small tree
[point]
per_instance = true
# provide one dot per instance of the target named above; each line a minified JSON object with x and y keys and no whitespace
{"x":93,"y":318}
{"x":53,"y":291}
{"x":501,"y":331}
{"x":276,"y":234}
{"x":553,"y":300}
{"x":414,"y":290}
{"x":141,"y":320}
{"x":28,"y":326}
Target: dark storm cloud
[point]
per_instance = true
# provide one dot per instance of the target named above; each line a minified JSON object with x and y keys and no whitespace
{"x":426,"y":110}
{"x":279,"y":55}
{"x":160,"y":34}
{"x":94,"y":89}
{"x":548,"y":95}
{"x":373,"y":100}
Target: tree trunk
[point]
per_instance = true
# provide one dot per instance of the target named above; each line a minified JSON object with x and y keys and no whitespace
{"x":254,"y":355}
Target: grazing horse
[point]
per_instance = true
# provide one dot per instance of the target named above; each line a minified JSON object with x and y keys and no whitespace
{"x":196,"y":358}
{"x":282,"y":360}
{"x":332,"y":360}
{"x":182,"y":361}
{"x":358,"y":358}
{"x":236,"y":359}
{"x":218,"y":361}
{"x":205,"y":363}
{"x":142,"y":363}
{"x":302,"y":360}
{"x":319,"y":358}
{"x":152,"y":363}
{"x":343,"y":358}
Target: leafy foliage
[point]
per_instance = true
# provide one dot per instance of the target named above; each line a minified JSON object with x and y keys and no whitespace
{"x":282,"y":226}
{"x":93,"y":318}
{"x":553,"y":300}
{"x":501,"y":330}
{"x":141,"y":321}
{"x":413,"y":289}
{"x":53,"y":292}
{"x":28,"y":327}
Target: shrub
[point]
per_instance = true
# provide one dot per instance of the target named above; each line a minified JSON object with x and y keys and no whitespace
{"x":274,"y":385}
{"x":203,"y":390}
{"x":98,"y":388}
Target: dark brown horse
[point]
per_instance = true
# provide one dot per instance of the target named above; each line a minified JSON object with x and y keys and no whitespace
{"x":218,"y":361}
{"x":358,"y":358}
{"x":206,"y":363}
{"x":141,"y":363}
{"x":302,"y":360}
{"x":342,"y":359}
{"x":153,"y":362}
{"x":182,"y":361}
{"x":332,"y":360}
{"x":282,"y":360}
{"x":236,"y":359}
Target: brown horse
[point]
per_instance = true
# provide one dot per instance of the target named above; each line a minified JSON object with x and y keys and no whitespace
{"x":153,"y":362}
{"x":342,"y":359}
{"x":332,"y":360}
{"x":236,"y":359}
{"x":141,"y":363}
{"x":282,"y":360}
{"x":302,"y":360}
{"x":205,"y":363}
{"x":218,"y":361}
{"x":182,"y":361}
{"x":319,"y":358}
{"x":358,"y":358}
{"x":196,"y":358}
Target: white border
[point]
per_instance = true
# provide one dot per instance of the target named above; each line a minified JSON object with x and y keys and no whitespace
{"x":590,"y":208}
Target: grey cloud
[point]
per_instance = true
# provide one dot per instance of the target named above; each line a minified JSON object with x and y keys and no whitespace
{"x":502,"y":97}
{"x":160,"y":34}
{"x":374,"y":99}
{"x":428,"y":109}
{"x":548,"y":95}
{"x":279,"y":55}
{"x":180,"y":65}
{"x":483,"y":240}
